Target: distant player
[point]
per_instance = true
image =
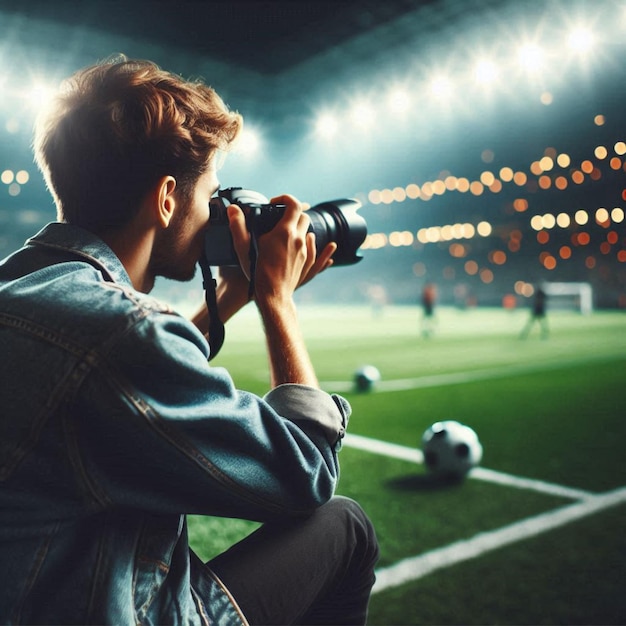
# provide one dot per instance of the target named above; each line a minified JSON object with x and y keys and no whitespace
{"x":429,"y":298}
{"x":537,"y":314}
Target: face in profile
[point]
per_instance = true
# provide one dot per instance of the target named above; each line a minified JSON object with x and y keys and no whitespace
{"x":178,"y":247}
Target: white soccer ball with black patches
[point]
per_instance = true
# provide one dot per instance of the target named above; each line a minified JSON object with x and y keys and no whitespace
{"x":451,"y":449}
{"x":366,"y":377}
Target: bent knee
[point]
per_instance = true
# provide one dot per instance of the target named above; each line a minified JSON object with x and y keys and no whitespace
{"x":344,"y":513}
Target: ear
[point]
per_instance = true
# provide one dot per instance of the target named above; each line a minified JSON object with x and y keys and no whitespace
{"x":165,"y":200}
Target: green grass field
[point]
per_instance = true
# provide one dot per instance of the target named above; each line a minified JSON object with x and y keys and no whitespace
{"x":493,"y":549}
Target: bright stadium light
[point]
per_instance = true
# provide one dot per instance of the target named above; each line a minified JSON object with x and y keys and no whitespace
{"x":39,"y":95}
{"x":399,"y":100}
{"x":441,"y":87}
{"x":485,"y":72}
{"x":326,"y":126}
{"x":362,"y":114}
{"x":530,"y":57}
{"x":580,"y":40}
{"x":249,"y":142}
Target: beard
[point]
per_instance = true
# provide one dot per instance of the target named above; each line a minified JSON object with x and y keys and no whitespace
{"x":177,"y":249}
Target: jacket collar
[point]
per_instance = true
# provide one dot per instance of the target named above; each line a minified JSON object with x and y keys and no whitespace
{"x":83,"y":244}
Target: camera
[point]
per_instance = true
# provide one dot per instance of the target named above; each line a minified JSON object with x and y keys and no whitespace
{"x":335,"y":220}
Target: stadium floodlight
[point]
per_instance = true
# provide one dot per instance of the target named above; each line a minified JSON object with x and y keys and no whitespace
{"x":326,"y":126}
{"x":485,"y":72}
{"x":249,"y":142}
{"x":399,"y":100}
{"x":530,"y":57}
{"x":7,"y":177}
{"x":22,"y":177}
{"x":441,"y":87}
{"x":580,"y":40}
{"x":39,"y":95}
{"x":362,"y":114}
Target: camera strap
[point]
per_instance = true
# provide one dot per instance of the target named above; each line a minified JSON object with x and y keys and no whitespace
{"x":216,"y":327}
{"x":253,"y":255}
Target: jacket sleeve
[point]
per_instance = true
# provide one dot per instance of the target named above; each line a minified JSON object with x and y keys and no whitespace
{"x":155,"y":426}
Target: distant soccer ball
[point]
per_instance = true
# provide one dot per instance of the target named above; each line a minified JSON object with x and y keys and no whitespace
{"x":451,"y":449}
{"x":366,"y":377}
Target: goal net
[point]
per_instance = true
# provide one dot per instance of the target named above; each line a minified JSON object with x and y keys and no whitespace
{"x":574,"y":296}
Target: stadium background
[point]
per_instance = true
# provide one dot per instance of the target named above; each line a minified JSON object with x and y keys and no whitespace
{"x":485,"y":141}
{"x":455,"y":122}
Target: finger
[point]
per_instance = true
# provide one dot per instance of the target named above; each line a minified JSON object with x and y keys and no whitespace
{"x":311,"y":251}
{"x":323,"y":261}
{"x":309,"y":261}
{"x":286,"y":199}
{"x":324,"y":258}
{"x":304,"y":221}
{"x":293,"y":208}
{"x":240,"y":235}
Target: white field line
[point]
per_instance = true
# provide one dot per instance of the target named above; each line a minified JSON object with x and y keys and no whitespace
{"x":376,"y":446}
{"x":416,"y":567}
{"x":455,"y":378}
{"x":414,"y":455}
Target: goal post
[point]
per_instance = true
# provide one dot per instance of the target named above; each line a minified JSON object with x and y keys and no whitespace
{"x":570,"y":295}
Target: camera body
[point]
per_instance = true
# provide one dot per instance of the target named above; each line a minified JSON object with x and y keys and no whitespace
{"x":335,"y":220}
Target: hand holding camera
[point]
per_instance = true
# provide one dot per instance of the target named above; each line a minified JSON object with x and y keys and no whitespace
{"x":288,"y":250}
{"x":333,"y":221}
{"x":300,"y":244}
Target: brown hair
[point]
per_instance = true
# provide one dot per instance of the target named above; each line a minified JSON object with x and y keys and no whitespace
{"x":116,"y":128}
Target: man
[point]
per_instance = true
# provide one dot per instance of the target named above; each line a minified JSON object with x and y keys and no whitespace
{"x":114,"y":425}
{"x":429,"y":297}
{"x":537,"y":314}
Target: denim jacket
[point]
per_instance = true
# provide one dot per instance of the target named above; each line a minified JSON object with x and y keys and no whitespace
{"x":113,"y":426}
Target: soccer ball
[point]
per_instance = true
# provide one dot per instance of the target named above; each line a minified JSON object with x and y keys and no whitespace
{"x":366,"y":377}
{"x":451,"y":449}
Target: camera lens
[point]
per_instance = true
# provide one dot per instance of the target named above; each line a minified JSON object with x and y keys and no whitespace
{"x":339,"y":221}
{"x":335,"y":220}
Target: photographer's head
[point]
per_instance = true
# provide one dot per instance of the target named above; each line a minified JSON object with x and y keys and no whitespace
{"x":118,"y":128}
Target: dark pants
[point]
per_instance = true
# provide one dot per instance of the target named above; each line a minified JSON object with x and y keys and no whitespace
{"x":313,"y":570}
